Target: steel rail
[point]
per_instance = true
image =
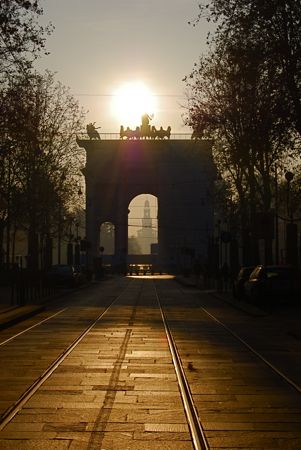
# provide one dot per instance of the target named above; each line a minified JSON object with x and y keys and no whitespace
{"x":251,"y":349}
{"x":32,"y":326}
{"x":196,"y":430}
{"x":11,"y":412}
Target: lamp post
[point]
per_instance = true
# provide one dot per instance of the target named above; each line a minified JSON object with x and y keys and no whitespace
{"x":70,"y":260}
{"x":276,"y":218}
{"x":289,"y":177}
{"x":77,"y":246}
{"x":291,"y":227}
{"x":3,"y":217}
{"x":8,"y":216}
{"x":77,"y":256}
{"x":59,"y":234}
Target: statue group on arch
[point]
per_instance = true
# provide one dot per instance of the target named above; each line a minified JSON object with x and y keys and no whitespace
{"x":92,"y":131}
{"x":145,"y":131}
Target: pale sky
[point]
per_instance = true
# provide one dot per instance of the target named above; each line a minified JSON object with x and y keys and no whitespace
{"x":98,"y":45}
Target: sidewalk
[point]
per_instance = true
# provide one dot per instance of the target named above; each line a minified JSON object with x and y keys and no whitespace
{"x":222,"y":295}
{"x":11,"y":314}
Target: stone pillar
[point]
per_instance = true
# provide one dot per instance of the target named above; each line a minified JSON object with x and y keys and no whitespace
{"x":92,"y":230}
{"x":121,"y":244}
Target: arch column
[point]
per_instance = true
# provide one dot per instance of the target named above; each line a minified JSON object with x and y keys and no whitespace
{"x":92,"y":222}
{"x":121,"y":240}
{"x":93,"y":242}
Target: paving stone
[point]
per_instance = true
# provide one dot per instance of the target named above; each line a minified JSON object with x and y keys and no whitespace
{"x":163,"y":435}
{"x":166,"y":427}
{"x":117,"y":389}
{"x":38,"y":444}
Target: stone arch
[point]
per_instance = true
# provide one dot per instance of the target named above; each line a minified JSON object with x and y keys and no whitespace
{"x":180,"y":173}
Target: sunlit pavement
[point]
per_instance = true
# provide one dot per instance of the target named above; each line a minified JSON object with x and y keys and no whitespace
{"x":117,"y":389}
{"x":153,"y":277}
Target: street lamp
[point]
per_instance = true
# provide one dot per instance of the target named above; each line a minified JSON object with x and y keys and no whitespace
{"x":77,"y":256}
{"x":289,"y":177}
{"x":70,"y":260}
{"x":3,"y":218}
{"x":77,"y":246}
{"x":291,"y":227}
{"x":63,"y":178}
{"x":276,"y":217}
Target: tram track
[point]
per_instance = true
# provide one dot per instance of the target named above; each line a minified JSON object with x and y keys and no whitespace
{"x":11,"y":412}
{"x":6,"y":341}
{"x":195,"y":426}
{"x":43,"y":321}
{"x":250,"y":348}
{"x":49,"y":306}
{"x":134,"y":303}
{"x":276,"y":370}
{"x":199,"y":436}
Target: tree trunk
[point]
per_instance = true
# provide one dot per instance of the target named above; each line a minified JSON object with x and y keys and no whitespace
{"x":33,"y":249}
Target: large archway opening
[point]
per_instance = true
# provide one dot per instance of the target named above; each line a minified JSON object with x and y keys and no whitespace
{"x":143,"y":225}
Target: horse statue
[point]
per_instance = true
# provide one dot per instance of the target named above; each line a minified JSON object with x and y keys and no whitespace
{"x":164,"y":133}
{"x":92,"y":131}
{"x":145,"y":131}
{"x":129,"y":134}
{"x":161,"y":133}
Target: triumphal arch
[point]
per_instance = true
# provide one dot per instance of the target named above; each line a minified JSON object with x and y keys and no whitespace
{"x":178,"y":170}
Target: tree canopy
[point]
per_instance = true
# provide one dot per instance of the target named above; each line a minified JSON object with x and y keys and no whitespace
{"x":245,"y":94}
{"x":272,"y":27}
{"x":21,"y":36}
{"x":40,"y":161}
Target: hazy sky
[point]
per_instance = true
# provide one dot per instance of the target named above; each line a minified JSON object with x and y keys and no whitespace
{"x":99,"y":45}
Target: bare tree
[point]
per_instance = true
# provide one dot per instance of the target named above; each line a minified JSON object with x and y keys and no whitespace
{"x":43,"y":160}
{"x":21,"y":37}
{"x":232,"y":99}
{"x":274,"y":26}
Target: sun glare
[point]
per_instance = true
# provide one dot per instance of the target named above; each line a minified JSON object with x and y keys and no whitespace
{"x":132,"y":100}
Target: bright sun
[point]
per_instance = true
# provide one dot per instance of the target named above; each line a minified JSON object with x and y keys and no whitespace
{"x":130,"y":101}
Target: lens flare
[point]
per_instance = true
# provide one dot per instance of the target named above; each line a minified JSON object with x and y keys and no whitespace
{"x":130,"y":101}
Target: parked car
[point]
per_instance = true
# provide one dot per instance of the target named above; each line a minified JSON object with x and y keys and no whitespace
{"x":276,"y":283}
{"x":63,"y":275}
{"x":243,"y":275}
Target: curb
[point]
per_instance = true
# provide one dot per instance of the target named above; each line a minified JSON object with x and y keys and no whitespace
{"x":18,"y":314}
{"x":14,"y":315}
{"x":243,"y":306}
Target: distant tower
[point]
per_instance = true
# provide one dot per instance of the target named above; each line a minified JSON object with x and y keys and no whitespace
{"x":146,"y":235}
{"x":146,"y":221}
